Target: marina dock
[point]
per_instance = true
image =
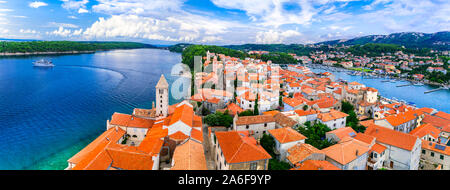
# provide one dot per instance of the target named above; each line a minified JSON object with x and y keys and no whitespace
{"x":403,"y":85}
{"x":437,"y":89}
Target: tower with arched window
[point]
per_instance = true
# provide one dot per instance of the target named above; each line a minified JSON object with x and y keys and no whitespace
{"x":162,"y":97}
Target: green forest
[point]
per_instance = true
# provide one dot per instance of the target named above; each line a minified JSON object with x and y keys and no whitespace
{"x":372,"y":50}
{"x":189,"y":51}
{"x":62,"y":46}
{"x":200,"y":50}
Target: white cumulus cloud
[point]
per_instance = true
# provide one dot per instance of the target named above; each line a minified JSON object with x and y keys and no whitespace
{"x":37,"y":4}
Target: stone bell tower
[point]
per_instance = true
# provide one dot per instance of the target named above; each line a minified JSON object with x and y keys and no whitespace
{"x":162,"y":97}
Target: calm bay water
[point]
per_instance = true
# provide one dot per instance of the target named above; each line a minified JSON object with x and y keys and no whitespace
{"x":439,"y":100}
{"x":48,"y":115}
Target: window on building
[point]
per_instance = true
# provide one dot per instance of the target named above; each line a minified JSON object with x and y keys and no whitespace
{"x":423,"y":151}
{"x":247,"y":126}
{"x":432,"y":154}
{"x":441,"y":157}
{"x":265,"y":124}
{"x":253,"y":166}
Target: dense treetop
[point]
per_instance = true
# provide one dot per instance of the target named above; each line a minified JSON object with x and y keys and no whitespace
{"x":62,"y":46}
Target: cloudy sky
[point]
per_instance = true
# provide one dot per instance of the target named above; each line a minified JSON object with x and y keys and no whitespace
{"x":218,"y":21}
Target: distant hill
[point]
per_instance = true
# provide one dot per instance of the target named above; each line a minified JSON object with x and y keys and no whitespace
{"x":438,"y":40}
{"x":16,"y":40}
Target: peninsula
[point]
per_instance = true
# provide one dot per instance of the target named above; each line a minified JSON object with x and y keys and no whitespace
{"x":9,"y":48}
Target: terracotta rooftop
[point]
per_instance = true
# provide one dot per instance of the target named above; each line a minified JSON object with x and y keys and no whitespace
{"x":392,"y":137}
{"x":284,"y":121}
{"x":343,"y":132}
{"x":293,"y":102}
{"x":300,"y":152}
{"x":346,"y":151}
{"x":316,"y":165}
{"x":183,"y":113}
{"x":365,"y":138}
{"x":144,"y":112}
{"x":94,"y":148}
{"x":396,"y":120}
{"x":426,"y":129}
{"x":189,"y":156}
{"x":436,"y":121}
{"x":248,"y":120}
{"x":443,"y":115}
{"x":286,"y":135}
{"x":303,"y":113}
{"x":367,"y":123}
{"x":332,"y":115}
{"x":443,"y":149}
{"x":238,"y":147}
{"x":130,"y":121}
{"x":272,"y":113}
{"x":378,"y":148}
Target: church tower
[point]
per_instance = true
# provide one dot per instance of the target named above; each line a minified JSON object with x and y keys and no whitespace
{"x":162,"y":97}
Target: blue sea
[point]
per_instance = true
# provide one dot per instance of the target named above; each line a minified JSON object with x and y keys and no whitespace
{"x":49,"y":114}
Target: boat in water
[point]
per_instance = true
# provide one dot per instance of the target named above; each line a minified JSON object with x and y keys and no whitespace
{"x":418,"y":84}
{"x":43,"y":63}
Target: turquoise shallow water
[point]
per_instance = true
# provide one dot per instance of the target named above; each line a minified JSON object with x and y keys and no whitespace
{"x":439,"y":100}
{"x":48,"y":115}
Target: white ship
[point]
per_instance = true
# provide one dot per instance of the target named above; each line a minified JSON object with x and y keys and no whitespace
{"x":43,"y":63}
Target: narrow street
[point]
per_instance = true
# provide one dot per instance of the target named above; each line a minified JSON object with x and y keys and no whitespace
{"x":209,"y":151}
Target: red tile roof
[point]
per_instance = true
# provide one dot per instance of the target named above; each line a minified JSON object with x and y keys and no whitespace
{"x":432,"y":146}
{"x":364,"y":138}
{"x":130,"y":121}
{"x":303,"y":113}
{"x":286,"y":135}
{"x":392,"y":137}
{"x":378,"y":148}
{"x":343,"y":132}
{"x":94,"y":148}
{"x":425,"y":129}
{"x":443,"y":115}
{"x":436,"y":121}
{"x":316,"y":165}
{"x":237,"y":147}
{"x":346,"y":151}
{"x":300,"y":152}
{"x":189,"y":156}
{"x":248,"y":120}
{"x":332,"y":115}
{"x":284,"y":121}
{"x":183,"y":113}
{"x":396,"y":120}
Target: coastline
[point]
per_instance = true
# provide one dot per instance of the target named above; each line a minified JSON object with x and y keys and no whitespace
{"x":9,"y":54}
{"x":43,"y":53}
{"x":433,"y":84}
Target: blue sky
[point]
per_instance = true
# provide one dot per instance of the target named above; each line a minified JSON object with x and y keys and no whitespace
{"x":218,"y":21}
